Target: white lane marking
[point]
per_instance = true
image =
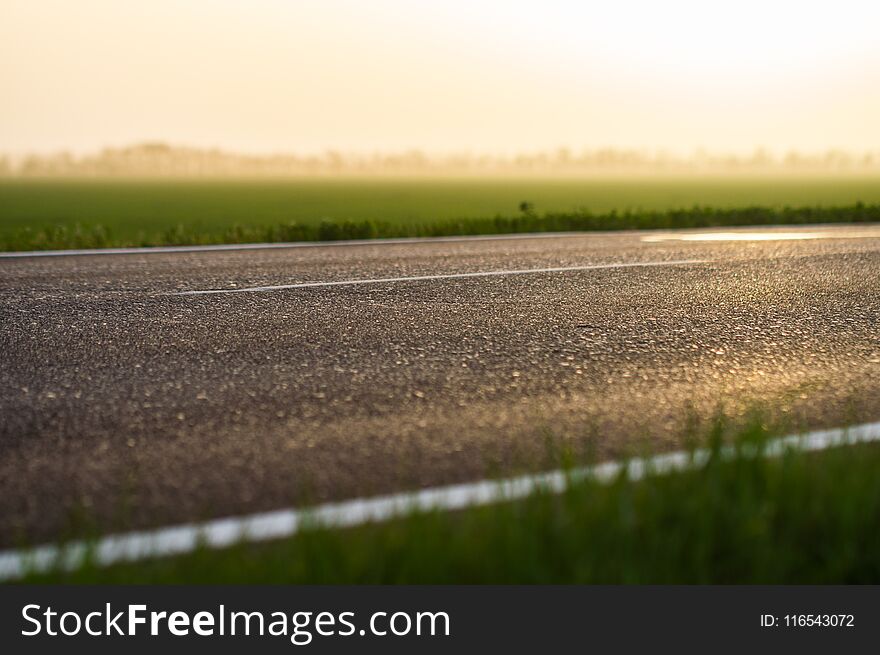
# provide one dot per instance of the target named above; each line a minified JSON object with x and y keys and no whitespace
{"x":440,"y":276}
{"x":148,"y":250}
{"x":760,"y":236}
{"x":221,"y":533}
{"x":220,"y":247}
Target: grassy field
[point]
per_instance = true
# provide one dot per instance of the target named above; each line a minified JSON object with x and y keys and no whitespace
{"x":801,"y":518}
{"x":69,"y":214}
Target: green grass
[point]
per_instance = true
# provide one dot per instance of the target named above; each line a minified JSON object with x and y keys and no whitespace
{"x":801,"y":518}
{"x":37,"y":214}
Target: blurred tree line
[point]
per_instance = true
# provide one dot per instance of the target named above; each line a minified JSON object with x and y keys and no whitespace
{"x":164,"y":160}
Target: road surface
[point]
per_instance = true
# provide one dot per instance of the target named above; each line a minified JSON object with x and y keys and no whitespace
{"x":144,"y":389}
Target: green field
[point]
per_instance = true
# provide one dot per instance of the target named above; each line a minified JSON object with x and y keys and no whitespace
{"x":800,"y":518}
{"x":36,"y":214}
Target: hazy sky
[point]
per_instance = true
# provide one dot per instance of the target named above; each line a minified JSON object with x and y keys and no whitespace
{"x":491,"y":75}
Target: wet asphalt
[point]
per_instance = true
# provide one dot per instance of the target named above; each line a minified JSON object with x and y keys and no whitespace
{"x":124,"y":404}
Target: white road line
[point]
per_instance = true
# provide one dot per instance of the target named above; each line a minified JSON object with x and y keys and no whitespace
{"x":649,"y":236}
{"x":441,"y":276}
{"x":148,"y":250}
{"x":186,"y":538}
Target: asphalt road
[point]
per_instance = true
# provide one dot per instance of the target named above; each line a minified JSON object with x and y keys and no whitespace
{"x":127,"y":401}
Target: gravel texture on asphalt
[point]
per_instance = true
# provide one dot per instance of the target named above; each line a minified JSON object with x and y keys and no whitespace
{"x":124,"y":405}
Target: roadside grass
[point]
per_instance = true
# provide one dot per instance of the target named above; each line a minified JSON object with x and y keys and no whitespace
{"x":59,"y":237}
{"x":799,"y":518}
{"x":52,"y":214}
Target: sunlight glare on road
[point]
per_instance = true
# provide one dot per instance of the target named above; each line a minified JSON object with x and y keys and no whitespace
{"x":759,"y":236}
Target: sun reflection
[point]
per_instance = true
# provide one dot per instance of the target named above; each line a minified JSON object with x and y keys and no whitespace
{"x":740,"y":236}
{"x":763,"y":235}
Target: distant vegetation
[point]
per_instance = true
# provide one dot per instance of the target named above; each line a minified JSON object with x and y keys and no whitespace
{"x":98,"y":236}
{"x":163,"y":160}
{"x":76,"y":214}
